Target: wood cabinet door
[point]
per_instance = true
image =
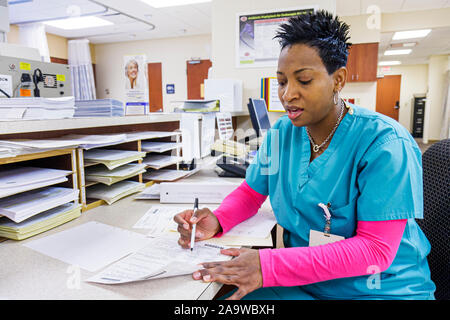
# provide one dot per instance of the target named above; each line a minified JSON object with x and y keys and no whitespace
{"x":366,"y":63}
{"x":351,"y":63}
{"x":362,"y":62}
{"x":197,"y":72}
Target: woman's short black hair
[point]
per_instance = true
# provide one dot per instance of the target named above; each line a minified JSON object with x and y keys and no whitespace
{"x":320,"y":30}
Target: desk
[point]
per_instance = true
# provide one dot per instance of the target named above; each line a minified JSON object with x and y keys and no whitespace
{"x":27,"y":274}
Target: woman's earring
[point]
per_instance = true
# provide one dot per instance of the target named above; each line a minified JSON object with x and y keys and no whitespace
{"x":336,"y":97}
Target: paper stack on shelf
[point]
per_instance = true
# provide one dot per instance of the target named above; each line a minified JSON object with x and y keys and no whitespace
{"x":22,"y":179}
{"x":160,"y":161}
{"x":200,"y":105}
{"x":109,"y":177}
{"x":24,"y":205}
{"x":37,"y":108}
{"x":149,"y":193}
{"x":144,"y":135}
{"x":166,"y":175}
{"x":39,"y":223}
{"x":115,"y":192}
{"x":157,"y":146}
{"x":112,"y":158}
{"x":99,"y":108}
{"x":94,"y":140}
{"x":230,"y":147}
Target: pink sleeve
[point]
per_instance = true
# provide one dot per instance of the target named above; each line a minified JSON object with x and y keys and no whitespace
{"x":239,"y":205}
{"x":374,"y":246}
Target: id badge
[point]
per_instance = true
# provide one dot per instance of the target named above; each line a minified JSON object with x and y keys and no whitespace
{"x":317,"y":238}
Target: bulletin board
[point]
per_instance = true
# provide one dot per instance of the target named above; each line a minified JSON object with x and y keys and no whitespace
{"x":255,"y":46}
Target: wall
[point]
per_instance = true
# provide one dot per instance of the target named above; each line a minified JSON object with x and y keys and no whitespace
{"x":171,"y":52}
{"x":438,"y":66}
{"x":414,"y":81}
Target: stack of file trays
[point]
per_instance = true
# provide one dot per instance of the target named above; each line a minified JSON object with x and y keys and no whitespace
{"x":115,"y":192}
{"x":23,"y":179}
{"x":99,"y":108}
{"x":109,"y":177}
{"x":112,"y":158}
{"x":24,"y":205}
{"x":37,"y":108}
{"x":39,"y":223}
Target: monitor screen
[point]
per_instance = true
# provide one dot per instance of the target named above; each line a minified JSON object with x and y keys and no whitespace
{"x":259,"y":116}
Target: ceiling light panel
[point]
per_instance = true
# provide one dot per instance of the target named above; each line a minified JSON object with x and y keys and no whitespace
{"x":171,"y":3}
{"x":79,"y":23}
{"x":389,"y":63}
{"x":412,"y":34}
{"x":397,"y":52}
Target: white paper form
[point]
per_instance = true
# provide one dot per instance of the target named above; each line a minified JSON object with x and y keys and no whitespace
{"x":159,"y":220}
{"x":24,"y":205}
{"x":28,"y":178}
{"x":149,"y":193}
{"x":165,"y":175}
{"x":258,"y":226}
{"x":91,"y":246}
{"x":161,"y":258}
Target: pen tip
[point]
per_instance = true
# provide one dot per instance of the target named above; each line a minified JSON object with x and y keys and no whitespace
{"x":192,"y":249}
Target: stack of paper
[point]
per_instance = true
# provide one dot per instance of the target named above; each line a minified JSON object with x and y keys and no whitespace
{"x":94,"y":140}
{"x":22,"y":179}
{"x":230,"y":147}
{"x":201,"y":105}
{"x":160,"y":161}
{"x":13,"y":147}
{"x":149,"y":193}
{"x":37,"y":108}
{"x":167,"y":175}
{"x":144,"y":135}
{"x":156,"y":146}
{"x":99,"y":108}
{"x":115,"y":192}
{"x":109,"y":177}
{"x":27,"y":204}
{"x":39,"y":223}
{"x":112,"y":158}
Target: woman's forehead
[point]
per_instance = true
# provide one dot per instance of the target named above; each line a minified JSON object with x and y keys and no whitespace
{"x":299,"y":56}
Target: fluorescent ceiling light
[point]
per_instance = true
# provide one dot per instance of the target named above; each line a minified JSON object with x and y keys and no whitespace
{"x":409,"y":44}
{"x":389,"y":63}
{"x":171,"y":3}
{"x":397,"y":52}
{"x":411,"y":34}
{"x":78,"y":23}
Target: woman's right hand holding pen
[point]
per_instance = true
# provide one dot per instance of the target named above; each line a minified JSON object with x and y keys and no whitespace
{"x":207,"y":225}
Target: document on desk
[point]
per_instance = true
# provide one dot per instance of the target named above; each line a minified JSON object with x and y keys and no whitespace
{"x":91,"y":246}
{"x":162,"y":257}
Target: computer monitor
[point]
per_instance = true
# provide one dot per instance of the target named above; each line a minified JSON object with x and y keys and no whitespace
{"x":259,"y":116}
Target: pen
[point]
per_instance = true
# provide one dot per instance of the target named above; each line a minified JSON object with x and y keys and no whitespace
{"x":195,"y":225}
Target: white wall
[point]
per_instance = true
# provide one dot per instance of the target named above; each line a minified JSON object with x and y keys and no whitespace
{"x":171,"y":52}
{"x":433,"y":107}
{"x":414,"y":81}
{"x":224,"y":38}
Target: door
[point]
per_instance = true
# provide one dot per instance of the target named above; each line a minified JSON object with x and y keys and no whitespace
{"x":388,"y":96}
{"x":155,"y":98}
{"x":197,"y":72}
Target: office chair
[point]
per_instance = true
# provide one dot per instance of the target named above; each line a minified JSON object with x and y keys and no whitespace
{"x":436,"y":220}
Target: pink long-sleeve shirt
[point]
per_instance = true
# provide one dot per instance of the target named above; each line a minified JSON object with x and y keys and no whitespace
{"x":375,"y":244}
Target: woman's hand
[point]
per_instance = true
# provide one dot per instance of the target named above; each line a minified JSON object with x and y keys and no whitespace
{"x":207,"y":225}
{"x":244,"y":271}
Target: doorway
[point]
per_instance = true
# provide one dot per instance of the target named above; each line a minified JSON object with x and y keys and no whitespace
{"x":155,"y":93}
{"x":388,"y":95}
{"x":197,"y":72}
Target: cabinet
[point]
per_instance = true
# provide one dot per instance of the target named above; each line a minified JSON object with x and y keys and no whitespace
{"x":362,"y":62}
{"x":418,"y":116}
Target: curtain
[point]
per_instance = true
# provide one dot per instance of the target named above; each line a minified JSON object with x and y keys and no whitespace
{"x":445,"y":131}
{"x":80,"y":63}
{"x":33,"y":35}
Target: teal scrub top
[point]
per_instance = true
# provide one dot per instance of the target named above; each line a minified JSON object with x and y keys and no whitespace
{"x":371,"y":171}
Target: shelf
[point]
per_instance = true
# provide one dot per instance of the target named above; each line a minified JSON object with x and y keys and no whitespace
{"x":26,"y":126}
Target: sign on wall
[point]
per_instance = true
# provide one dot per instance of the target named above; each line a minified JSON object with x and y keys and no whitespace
{"x":255,"y":46}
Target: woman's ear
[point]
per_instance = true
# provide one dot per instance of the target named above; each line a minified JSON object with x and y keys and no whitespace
{"x":340,"y":77}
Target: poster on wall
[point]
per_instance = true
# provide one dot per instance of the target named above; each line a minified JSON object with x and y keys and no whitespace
{"x":255,"y":46}
{"x":136,"y":85}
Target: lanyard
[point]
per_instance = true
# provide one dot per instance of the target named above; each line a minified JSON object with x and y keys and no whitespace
{"x":327,"y":216}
